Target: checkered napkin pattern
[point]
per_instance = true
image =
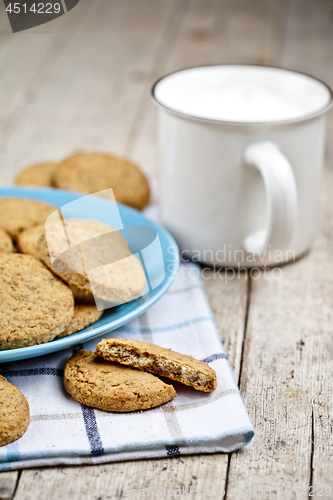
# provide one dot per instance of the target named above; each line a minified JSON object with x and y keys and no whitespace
{"x":62,"y":431}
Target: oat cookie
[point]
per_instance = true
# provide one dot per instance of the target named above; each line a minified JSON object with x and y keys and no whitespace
{"x":37,"y":175}
{"x":93,"y":172}
{"x":164,"y":362}
{"x":17,"y":214}
{"x":84,"y":315}
{"x":35,"y":306}
{"x":27,"y":240}
{"x":14,"y":413}
{"x":77,"y":281}
{"x":28,"y":243}
{"x":114,"y":275}
{"x":6,"y":244}
{"x":112,"y":387}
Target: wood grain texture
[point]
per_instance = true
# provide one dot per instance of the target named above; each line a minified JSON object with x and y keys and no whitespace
{"x":21,"y":58}
{"x":110,"y":482}
{"x":286,"y":376}
{"x":309,"y":37}
{"x":318,"y":346}
{"x":8,"y":482}
{"x":88,"y":93}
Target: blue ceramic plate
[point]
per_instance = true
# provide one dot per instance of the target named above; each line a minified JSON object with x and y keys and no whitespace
{"x":98,"y":208}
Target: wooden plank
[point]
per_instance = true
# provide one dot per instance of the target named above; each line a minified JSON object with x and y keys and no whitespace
{"x":287,"y":374}
{"x":273,"y":385}
{"x":318,"y":349}
{"x":112,"y":481}
{"x":22,"y":59}
{"x":309,"y":38}
{"x":309,"y":41}
{"x":31,"y":56}
{"x":89,"y":97}
{"x":287,"y":366}
{"x":8,"y":482}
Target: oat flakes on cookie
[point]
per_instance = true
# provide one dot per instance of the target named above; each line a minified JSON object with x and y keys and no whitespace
{"x":101,"y":266}
{"x":17,"y":214}
{"x":40,"y":174}
{"x":14,"y":412}
{"x":6,"y":243}
{"x":164,"y":362}
{"x":35,"y":306}
{"x":93,"y":172}
{"x":112,"y":387}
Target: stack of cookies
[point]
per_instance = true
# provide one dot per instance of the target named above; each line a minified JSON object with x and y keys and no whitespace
{"x":45,"y":296}
{"x":35,"y":306}
{"x":91,"y":173}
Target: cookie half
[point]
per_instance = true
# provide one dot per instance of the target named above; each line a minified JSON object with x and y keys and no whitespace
{"x":94,"y":172}
{"x":164,"y":362}
{"x":111,"y":387}
{"x":84,"y":315}
{"x":17,"y":214}
{"x":35,"y":306}
{"x":14,"y":412}
{"x":98,"y":265}
{"x":40,"y":174}
{"x":6,"y":243}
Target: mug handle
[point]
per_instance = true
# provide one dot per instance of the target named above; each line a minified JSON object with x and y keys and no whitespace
{"x":281,"y":195}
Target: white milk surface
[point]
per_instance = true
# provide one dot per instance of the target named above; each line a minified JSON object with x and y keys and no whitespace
{"x":242,"y":94}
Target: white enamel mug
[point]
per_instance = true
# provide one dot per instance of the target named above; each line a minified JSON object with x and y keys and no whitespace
{"x":241,"y":153}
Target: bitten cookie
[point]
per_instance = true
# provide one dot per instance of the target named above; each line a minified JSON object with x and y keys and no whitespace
{"x":37,"y":175}
{"x":14,"y":413}
{"x":84,"y":315}
{"x":6,"y":244}
{"x":17,"y":214}
{"x":35,"y":306}
{"x":164,"y":362}
{"x":101,"y":266}
{"x":93,"y":172}
{"x":111,"y":387}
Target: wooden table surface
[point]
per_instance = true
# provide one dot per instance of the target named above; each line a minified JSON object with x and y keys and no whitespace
{"x":82,"y":82}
